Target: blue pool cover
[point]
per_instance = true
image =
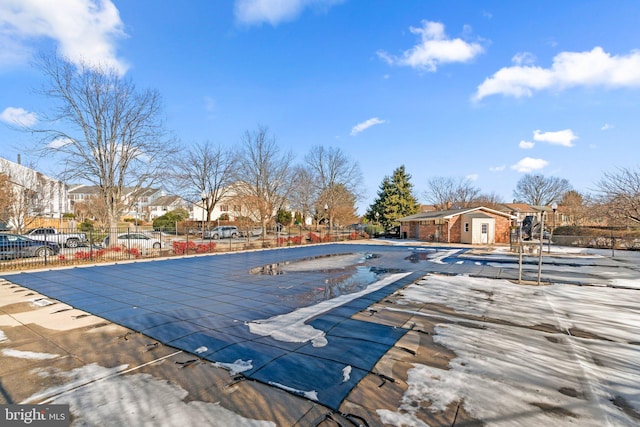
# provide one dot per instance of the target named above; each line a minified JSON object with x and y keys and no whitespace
{"x":203,"y":305}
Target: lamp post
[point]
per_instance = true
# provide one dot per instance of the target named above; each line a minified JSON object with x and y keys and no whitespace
{"x":554,"y":207}
{"x":203,"y":197}
{"x":326,"y":212}
{"x":541,"y":247}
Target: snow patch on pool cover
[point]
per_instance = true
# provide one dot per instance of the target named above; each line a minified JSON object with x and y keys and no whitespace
{"x":291,"y":327}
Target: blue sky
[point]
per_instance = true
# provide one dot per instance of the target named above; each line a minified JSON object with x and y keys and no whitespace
{"x":487,"y":90}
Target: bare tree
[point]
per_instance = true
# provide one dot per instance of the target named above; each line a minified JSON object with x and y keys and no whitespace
{"x":451,"y":193}
{"x":331,"y":169}
{"x":488,"y":200}
{"x":263,"y":175}
{"x":538,"y":190}
{"x":343,"y":205}
{"x":304,"y":195}
{"x":575,"y":206}
{"x":107,"y":132}
{"x":619,"y":191}
{"x":93,"y":208}
{"x":204,"y":169}
{"x":7,"y":196}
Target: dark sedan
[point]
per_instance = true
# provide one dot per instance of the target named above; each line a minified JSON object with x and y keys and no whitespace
{"x":15,"y":246}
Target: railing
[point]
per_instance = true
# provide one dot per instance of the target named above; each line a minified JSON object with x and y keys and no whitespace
{"x":155,"y":244}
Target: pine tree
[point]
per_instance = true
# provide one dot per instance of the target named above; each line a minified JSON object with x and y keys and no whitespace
{"x":395,"y":200}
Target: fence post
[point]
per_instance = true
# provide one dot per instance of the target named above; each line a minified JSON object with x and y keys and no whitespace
{"x":91,"y":244}
{"x":45,"y":252}
{"x":613,"y":244}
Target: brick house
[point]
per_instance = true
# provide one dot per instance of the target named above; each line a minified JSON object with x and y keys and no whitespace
{"x":478,"y":225}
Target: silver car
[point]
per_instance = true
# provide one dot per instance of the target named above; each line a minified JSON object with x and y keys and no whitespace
{"x":137,"y":240}
{"x":222,"y":232}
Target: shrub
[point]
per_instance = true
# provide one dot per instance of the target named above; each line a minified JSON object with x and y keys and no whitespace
{"x":314,"y":238}
{"x":81,"y":255}
{"x":86,"y":226}
{"x":296,"y":240}
{"x":181,"y":248}
{"x":204,"y":248}
{"x":134,"y":252}
{"x":374,"y":229}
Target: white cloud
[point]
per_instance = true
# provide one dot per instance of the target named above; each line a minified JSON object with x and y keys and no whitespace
{"x":472,"y":177}
{"x":434,"y":49}
{"x":529,"y":164}
{"x":606,"y":126}
{"x":365,"y":125}
{"x":497,"y":168}
{"x":59,"y":142}
{"x":569,"y":69}
{"x":561,"y":137}
{"x":83,"y":30}
{"x":18,"y":116}
{"x":525,"y":145}
{"x":523,"y":58}
{"x":275,"y":11}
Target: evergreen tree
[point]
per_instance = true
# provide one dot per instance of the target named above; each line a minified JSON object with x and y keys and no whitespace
{"x":395,"y":200}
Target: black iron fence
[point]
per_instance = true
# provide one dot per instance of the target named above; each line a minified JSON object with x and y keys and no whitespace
{"x":67,"y":247}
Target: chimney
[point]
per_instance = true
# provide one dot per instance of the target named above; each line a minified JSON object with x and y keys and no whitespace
{"x":19,"y":161}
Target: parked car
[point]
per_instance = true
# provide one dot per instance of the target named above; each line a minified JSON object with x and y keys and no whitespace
{"x":251,"y":232}
{"x":16,"y":246}
{"x":50,"y":234}
{"x":136,"y":240}
{"x":221,"y":232}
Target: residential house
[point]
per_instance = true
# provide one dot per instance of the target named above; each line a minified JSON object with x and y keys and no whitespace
{"x":164,"y":204}
{"x":479,"y":225}
{"x":520,"y":210}
{"x":38,"y":195}
{"x":136,"y":201}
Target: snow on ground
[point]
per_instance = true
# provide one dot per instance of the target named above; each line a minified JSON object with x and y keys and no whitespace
{"x":236,"y":367}
{"x":136,"y":400}
{"x":291,"y":327}
{"x":3,"y":337}
{"x":513,"y":375}
{"x":562,"y":250}
{"x":311,"y":394}
{"x":9,"y":352}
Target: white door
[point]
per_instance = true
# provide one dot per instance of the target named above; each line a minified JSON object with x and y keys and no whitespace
{"x":484,"y":234}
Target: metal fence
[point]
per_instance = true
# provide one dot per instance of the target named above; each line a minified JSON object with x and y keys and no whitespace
{"x":66,"y":248}
{"x":599,"y":242}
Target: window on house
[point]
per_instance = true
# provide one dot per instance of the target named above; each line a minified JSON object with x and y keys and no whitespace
{"x":224,"y":208}
{"x":466,"y":227}
{"x":485,"y":228}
